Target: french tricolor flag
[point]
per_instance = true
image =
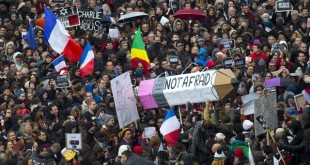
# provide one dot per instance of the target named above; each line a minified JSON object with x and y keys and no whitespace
{"x":87,"y":61}
{"x":60,"y":64}
{"x":59,"y":39}
{"x":170,"y":128}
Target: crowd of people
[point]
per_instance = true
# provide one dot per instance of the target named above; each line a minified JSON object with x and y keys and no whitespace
{"x":36,"y":115}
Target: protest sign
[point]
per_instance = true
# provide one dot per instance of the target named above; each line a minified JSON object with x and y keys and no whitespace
{"x":113,"y":33}
{"x":299,"y":100}
{"x":58,"y":1}
{"x":38,"y":161}
{"x":194,"y":87}
{"x":228,"y":62}
{"x":248,"y":103}
{"x":228,"y":43}
{"x":149,"y":132}
{"x":173,"y":59}
{"x":265,"y":107}
{"x":74,"y":141}
{"x":90,"y":20}
{"x":62,"y":82}
{"x":125,"y":102}
{"x":68,"y":16}
{"x":240,"y":63}
{"x":283,"y":6}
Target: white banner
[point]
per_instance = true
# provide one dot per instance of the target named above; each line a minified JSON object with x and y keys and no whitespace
{"x":195,"y":87}
{"x":125,"y":102}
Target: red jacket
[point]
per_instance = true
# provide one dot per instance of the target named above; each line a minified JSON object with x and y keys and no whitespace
{"x":257,"y":56}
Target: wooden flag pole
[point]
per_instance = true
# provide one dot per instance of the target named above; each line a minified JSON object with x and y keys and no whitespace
{"x":281,"y":157}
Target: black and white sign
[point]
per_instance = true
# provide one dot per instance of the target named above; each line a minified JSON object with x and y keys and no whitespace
{"x":173,"y":59}
{"x":240,"y":63}
{"x":68,"y":16}
{"x":58,"y":1}
{"x":62,"y":81}
{"x":228,"y":43}
{"x":90,"y":20}
{"x":38,"y":161}
{"x":262,"y":121}
{"x":74,"y":141}
{"x":228,"y":62}
{"x":283,"y":6}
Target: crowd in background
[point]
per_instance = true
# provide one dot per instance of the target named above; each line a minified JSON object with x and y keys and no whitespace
{"x":36,"y":115}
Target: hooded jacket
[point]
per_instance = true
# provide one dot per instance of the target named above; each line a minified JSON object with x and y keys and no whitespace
{"x":110,"y":110}
{"x":202,"y":59}
{"x":89,"y":88}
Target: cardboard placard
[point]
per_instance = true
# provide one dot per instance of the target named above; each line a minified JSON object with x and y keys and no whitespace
{"x":90,"y":20}
{"x":283,"y":6}
{"x":299,"y":100}
{"x":62,"y":82}
{"x":68,"y":16}
{"x":125,"y":102}
{"x":229,"y":43}
{"x":265,"y":110}
{"x":74,"y":141}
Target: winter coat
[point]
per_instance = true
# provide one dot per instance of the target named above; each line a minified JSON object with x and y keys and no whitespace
{"x":302,"y":149}
{"x":89,"y":88}
{"x":202,"y":59}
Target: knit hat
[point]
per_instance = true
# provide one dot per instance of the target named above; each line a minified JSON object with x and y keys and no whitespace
{"x":219,"y":154}
{"x":123,"y":148}
{"x":88,"y":125}
{"x":239,"y":153}
{"x":137,"y":149}
{"x":107,"y":118}
{"x":256,"y":42}
{"x":306,"y":93}
{"x":247,"y":125}
{"x":265,"y":15}
{"x":219,"y":136}
{"x":201,"y":39}
{"x":68,"y":154}
{"x":122,"y":133}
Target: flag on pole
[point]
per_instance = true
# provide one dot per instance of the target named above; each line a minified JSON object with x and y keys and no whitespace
{"x":60,"y":64}
{"x":170,"y":128}
{"x":59,"y":39}
{"x":275,"y":161}
{"x":87,"y":61}
{"x":30,"y":37}
{"x":138,"y":53}
{"x":251,"y":158}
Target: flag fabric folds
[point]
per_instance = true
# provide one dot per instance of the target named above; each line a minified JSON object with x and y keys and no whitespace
{"x":30,"y":37}
{"x":87,"y":61}
{"x":138,"y":53}
{"x":59,"y":39}
{"x":60,"y":64}
{"x":251,"y":158}
{"x":170,"y":128}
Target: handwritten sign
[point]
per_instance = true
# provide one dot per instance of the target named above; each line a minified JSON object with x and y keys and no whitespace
{"x":283,"y":6}
{"x":90,"y":20}
{"x":62,"y":82}
{"x":265,"y":108}
{"x":68,"y":16}
{"x":125,"y":102}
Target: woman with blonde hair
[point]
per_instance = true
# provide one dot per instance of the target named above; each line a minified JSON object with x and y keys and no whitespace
{"x":151,"y":146}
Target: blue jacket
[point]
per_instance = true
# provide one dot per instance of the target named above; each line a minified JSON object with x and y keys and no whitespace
{"x":202,"y":59}
{"x":89,"y":88}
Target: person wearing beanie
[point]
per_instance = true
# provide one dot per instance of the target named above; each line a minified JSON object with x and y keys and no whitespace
{"x":125,"y":137}
{"x":108,"y":131}
{"x":202,"y":57}
{"x":239,"y":143}
{"x":247,"y":127}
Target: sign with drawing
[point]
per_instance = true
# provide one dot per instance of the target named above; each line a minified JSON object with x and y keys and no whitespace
{"x":265,"y":113}
{"x":124,"y":98}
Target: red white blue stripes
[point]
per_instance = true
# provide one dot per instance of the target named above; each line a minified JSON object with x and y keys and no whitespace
{"x":87,"y":61}
{"x":170,"y":128}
